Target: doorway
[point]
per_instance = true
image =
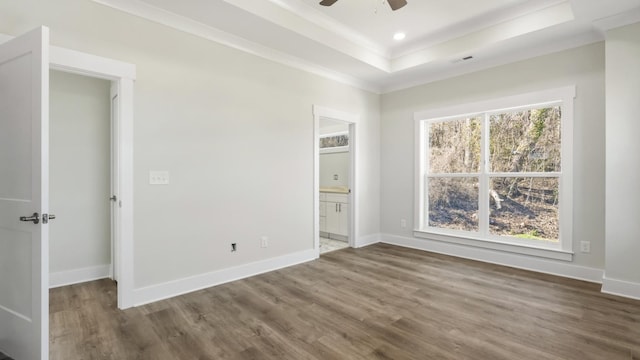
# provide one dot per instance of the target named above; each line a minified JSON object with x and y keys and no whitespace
{"x":335,"y":193}
{"x":122,"y":76}
{"x":335,"y":162}
{"x":81,"y":178}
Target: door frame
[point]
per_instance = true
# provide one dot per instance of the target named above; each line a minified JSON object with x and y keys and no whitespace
{"x":320,"y":112}
{"x":122,"y":75}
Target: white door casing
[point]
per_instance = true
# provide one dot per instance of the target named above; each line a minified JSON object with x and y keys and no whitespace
{"x":24,"y":145}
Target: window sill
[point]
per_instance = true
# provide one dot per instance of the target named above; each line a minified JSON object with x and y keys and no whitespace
{"x":555,"y":254}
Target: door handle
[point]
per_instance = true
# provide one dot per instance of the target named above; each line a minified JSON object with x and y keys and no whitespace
{"x":35,"y":218}
{"x":47,"y":217}
{"x":113,"y":198}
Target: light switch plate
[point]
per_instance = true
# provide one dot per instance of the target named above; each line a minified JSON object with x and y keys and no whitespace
{"x":158,"y":177}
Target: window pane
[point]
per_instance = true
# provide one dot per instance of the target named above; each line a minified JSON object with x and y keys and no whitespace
{"x":525,"y":141}
{"x":454,"y":146}
{"x":524,"y":208}
{"x":453,"y":203}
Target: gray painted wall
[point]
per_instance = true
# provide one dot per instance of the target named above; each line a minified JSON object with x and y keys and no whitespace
{"x":334,"y":164}
{"x":623,"y":146}
{"x":79,"y":185}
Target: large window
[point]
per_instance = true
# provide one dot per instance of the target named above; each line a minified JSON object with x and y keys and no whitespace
{"x":498,"y":172}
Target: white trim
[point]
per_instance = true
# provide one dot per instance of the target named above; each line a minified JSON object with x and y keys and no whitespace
{"x":524,"y":249}
{"x":190,"y":26}
{"x":339,"y":133}
{"x":76,"y":276}
{"x":332,"y":150}
{"x":320,"y":112}
{"x":90,"y":65}
{"x":536,"y":264}
{"x":367,"y":240}
{"x":178,"y":287}
{"x":618,"y":20}
{"x":621,"y":288}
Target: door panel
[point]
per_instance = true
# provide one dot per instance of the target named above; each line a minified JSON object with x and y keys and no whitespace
{"x":24,"y":251}
{"x":15,"y":153}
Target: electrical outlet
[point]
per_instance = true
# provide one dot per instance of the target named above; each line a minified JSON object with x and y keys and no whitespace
{"x":585,"y":246}
{"x":158,"y":177}
{"x":234,"y":247}
{"x":264,"y":241}
{"x":403,"y":223}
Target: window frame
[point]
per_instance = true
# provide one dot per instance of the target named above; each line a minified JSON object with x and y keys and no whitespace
{"x":562,"y":250}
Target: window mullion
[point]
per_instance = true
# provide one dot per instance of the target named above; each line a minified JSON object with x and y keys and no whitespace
{"x":483,"y":186}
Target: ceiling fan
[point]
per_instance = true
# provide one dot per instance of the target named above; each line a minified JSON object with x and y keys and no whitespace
{"x":394,"y":4}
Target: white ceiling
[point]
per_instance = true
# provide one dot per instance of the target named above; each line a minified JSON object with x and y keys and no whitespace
{"x":352,"y":41}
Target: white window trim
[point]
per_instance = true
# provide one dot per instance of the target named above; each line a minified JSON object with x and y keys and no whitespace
{"x":563,"y":251}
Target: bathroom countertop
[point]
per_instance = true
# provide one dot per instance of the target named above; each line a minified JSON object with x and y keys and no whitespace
{"x":335,"y":189}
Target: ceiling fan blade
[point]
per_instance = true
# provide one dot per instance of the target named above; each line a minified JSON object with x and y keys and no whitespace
{"x":327,"y":2}
{"x":397,"y":4}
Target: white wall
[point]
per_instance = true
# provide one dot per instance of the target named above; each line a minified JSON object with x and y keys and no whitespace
{"x":623,"y":146}
{"x":582,"y":66}
{"x":334,"y":164}
{"x":235,"y":132}
{"x":79,"y":172}
{"x":327,"y":128}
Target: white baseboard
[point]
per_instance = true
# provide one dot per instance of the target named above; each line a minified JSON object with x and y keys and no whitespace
{"x":367,"y":240}
{"x":621,"y":288}
{"x":70,"y":277}
{"x":173,"y":288}
{"x":499,"y":257}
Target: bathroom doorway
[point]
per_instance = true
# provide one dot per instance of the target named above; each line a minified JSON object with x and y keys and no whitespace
{"x":334,"y":180}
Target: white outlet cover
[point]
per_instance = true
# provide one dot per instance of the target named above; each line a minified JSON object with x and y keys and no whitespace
{"x":585,"y":246}
{"x":159,"y":177}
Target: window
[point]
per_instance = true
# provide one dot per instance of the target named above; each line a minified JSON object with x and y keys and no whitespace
{"x":498,"y":173}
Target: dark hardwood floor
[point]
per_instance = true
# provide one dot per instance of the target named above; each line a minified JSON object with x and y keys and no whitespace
{"x":379,"y":302}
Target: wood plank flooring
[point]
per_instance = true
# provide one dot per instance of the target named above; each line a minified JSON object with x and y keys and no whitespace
{"x":379,"y":302}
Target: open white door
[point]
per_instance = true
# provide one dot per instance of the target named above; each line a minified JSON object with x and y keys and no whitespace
{"x":24,"y":192}
{"x":115,"y":176}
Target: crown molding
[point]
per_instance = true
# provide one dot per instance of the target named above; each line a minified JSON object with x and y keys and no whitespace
{"x":618,"y":20}
{"x":184,"y":24}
